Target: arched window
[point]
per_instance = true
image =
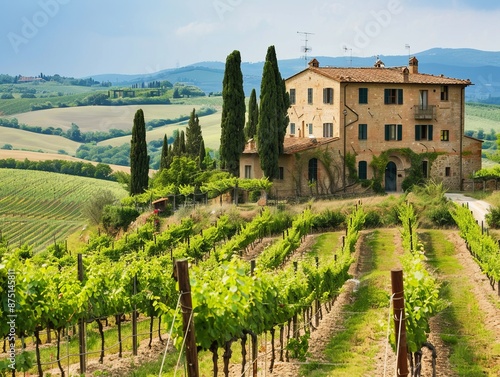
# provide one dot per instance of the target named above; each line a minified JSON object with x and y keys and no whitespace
{"x":313,"y":170}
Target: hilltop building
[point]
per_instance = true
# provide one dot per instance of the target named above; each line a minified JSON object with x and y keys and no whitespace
{"x":387,"y":127}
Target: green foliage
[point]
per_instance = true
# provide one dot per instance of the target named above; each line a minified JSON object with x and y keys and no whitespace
{"x":328,"y":219}
{"x":299,"y":347}
{"x":139,"y":159}
{"x":253,"y":116}
{"x":118,"y":217}
{"x":93,"y":209}
{"x":232,"y":139}
{"x":267,"y":128}
{"x":493,"y":218}
{"x":82,"y":169}
{"x":421,"y":290}
{"x":194,"y":136}
{"x":483,"y":247}
{"x":38,"y":206}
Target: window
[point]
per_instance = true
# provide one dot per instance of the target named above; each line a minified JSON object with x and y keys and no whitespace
{"x":445,"y":135}
{"x":362,"y":169}
{"x":292,"y":128}
{"x":310,"y":128}
{"x":327,"y":129}
{"x":328,"y":95}
{"x":281,"y":173}
{"x":292,"y":96}
{"x":444,"y":93}
{"x":248,"y":171}
{"x":363,"y":95}
{"x":313,"y":170}
{"x":423,"y":132}
{"x":393,"y":96}
{"x":424,"y":99}
{"x":309,"y":96}
{"x":447,"y":171}
{"x":425,"y":168}
{"x":362,"y":131}
{"x":393,"y":132}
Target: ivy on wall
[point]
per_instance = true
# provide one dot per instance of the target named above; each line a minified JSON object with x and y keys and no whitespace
{"x":414,"y":174}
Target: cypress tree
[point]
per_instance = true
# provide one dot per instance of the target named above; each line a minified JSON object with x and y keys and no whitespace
{"x":253,"y":116}
{"x":232,"y":139}
{"x":194,"y":136}
{"x":267,"y":128}
{"x":182,"y":143}
{"x":201,"y":156}
{"x":283,"y":100}
{"x":139,"y":159}
{"x":164,"y":154}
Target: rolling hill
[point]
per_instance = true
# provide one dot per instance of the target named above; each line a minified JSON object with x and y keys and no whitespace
{"x":481,"y":67}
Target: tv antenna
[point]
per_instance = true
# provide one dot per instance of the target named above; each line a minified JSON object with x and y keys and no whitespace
{"x":305,"y":49}
{"x":407,"y":46}
{"x":350,"y":56}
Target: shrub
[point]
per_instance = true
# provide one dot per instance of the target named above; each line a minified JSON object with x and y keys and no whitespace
{"x":328,"y":219}
{"x":117,"y":217}
{"x":6,"y":96}
{"x":493,"y":218}
{"x":372,"y":219}
{"x":441,"y":216}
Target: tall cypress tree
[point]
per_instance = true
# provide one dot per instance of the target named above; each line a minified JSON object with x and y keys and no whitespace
{"x":253,"y":116}
{"x":194,"y":136}
{"x":232,"y":138}
{"x":267,"y":128}
{"x":182,"y":143}
{"x":201,"y":156}
{"x":164,"y":154}
{"x":283,"y":100}
{"x":139,"y":159}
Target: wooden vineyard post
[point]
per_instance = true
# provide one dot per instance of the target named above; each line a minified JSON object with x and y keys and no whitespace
{"x":181,"y":274}
{"x":255,"y":352}
{"x":81,"y":324}
{"x":134,"y":320}
{"x":399,"y":321}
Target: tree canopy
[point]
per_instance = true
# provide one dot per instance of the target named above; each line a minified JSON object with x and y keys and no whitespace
{"x":139,"y":159}
{"x":232,"y":140}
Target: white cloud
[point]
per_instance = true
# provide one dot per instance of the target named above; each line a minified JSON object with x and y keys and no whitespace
{"x":196,"y":29}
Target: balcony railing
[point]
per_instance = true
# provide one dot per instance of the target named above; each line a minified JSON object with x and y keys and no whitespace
{"x":425,"y":112}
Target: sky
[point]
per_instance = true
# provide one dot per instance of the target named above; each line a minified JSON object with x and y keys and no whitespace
{"x":80,"y":38}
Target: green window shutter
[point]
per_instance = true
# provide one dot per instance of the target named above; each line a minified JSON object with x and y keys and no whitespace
{"x":387,"y":95}
{"x":429,"y":131}
{"x":400,"y":132}
{"x":362,"y":169}
{"x":417,"y":132}
{"x":400,"y":96}
{"x":387,"y":131}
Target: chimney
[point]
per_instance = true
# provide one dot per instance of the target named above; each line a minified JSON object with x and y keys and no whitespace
{"x":314,"y":63}
{"x":406,"y":72}
{"x":413,"y":65}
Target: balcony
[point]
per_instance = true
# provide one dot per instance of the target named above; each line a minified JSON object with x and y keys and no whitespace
{"x":424,"y":111}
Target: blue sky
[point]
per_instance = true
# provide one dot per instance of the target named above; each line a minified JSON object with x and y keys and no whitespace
{"x":87,"y":37}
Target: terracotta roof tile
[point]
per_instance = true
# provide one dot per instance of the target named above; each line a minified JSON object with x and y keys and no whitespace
{"x":293,"y":145}
{"x":382,"y":75}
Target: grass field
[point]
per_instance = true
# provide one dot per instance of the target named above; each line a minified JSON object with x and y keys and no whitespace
{"x":37,"y":207}
{"x":101,"y":118}
{"x":31,"y":141}
{"x":104,"y":118}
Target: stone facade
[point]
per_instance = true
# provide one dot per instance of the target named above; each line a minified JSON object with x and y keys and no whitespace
{"x":363,"y":113}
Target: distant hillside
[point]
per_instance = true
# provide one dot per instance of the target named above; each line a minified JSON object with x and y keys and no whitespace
{"x":481,"y":67}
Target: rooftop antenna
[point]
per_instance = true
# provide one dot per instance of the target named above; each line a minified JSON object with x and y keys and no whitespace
{"x":407,"y":46}
{"x":305,"y":49}
{"x":350,"y":59}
